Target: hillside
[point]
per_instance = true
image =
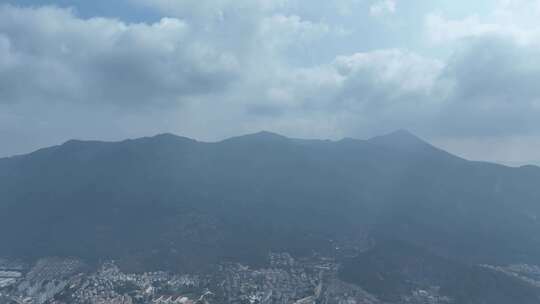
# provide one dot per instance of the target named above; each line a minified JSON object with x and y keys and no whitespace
{"x":169,"y":202}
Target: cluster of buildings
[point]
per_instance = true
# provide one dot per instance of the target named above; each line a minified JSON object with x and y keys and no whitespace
{"x":427,"y":296}
{"x":69,"y":281}
{"x":284,"y":280}
{"x":287,"y":280}
{"x":109,"y":284}
{"x":10,"y":272}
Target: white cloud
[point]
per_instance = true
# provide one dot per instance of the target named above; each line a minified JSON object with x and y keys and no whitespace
{"x":208,"y":11}
{"x":280,"y":31}
{"x":382,"y":8}
{"x":51,"y":55}
{"x":492,"y":70}
{"x":360,"y":93}
{"x":513,"y":19}
{"x":407,"y":70}
{"x":442,"y":30}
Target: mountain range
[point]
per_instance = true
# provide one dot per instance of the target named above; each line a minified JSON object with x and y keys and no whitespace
{"x":393,"y":206}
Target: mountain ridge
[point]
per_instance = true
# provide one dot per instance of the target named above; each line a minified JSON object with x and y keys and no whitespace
{"x":400,"y":138}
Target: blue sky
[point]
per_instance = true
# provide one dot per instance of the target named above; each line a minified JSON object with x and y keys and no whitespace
{"x":462,"y":75}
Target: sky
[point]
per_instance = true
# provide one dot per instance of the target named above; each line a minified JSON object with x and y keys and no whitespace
{"x":462,"y":76}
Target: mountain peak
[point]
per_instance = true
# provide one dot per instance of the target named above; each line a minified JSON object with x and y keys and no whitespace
{"x":267,"y":134}
{"x":401,"y":133}
{"x":165,"y":138}
{"x":170,"y":136}
{"x":260,"y":136}
{"x":400,"y":139}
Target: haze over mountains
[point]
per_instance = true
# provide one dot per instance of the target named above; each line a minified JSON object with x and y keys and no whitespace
{"x":380,"y":207}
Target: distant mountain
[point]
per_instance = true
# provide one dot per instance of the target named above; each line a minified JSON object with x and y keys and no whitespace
{"x":170,"y":202}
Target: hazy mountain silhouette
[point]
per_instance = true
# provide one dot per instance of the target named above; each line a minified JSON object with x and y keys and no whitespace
{"x":170,"y":201}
